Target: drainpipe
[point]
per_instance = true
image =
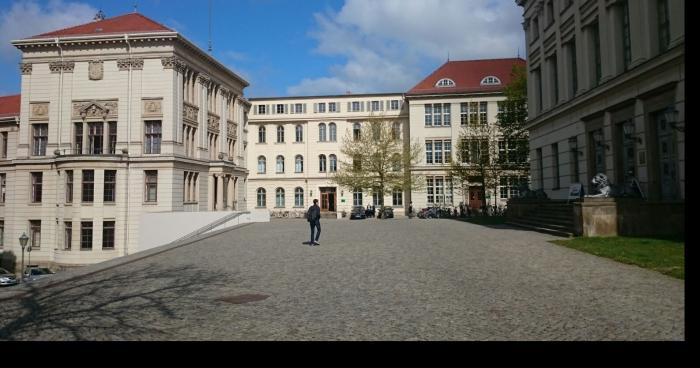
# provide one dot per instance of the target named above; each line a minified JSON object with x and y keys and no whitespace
{"x":128,"y":146}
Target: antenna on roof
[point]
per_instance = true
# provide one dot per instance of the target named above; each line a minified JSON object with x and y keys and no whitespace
{"x":136,"y":5}
{"x":518,"y":52}
{"x":209,"y":26}
{"x":99,"y":16}
{"x":448,"y":56}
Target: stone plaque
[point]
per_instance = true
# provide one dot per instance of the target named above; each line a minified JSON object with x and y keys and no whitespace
{"x":152,"y":107}
{"x":39,"y":110}
{"x":96,"y":70}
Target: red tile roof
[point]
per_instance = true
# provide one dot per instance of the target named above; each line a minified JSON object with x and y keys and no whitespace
{"x":9,"y":106}
{"x":128,"y":23}
{"x":467,"y":75}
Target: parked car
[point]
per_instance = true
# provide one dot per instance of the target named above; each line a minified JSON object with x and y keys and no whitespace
{"x":34,"y":273}
{"x":386,"y":212}
{"x":357,"y":212}
{"x":7,"y":278}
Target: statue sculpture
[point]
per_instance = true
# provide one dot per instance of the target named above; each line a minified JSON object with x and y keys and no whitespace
{"x":526,"y":192}
{"x":608,"y":190}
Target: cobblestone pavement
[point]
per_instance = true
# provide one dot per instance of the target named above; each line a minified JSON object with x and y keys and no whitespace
{"x":369,"y":280}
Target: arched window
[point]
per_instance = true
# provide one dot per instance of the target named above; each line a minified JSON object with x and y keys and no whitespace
{"x":299,"y":133}
{"x":299,"y":164}
{"x":261,"y":164}
{"x":261,"y":197}
{"x":356,"y":128}
{"x":298,"y":197}
{"x":280,"y":164}
{"x":261,"y":134}
{"x":445,"y":82}
{"x":490,"y":81}
{"x":396,"y":130}
{"x":322,"y":132}
{"x":322,"y":163}
{"x":280,"y":134}
{"x":279,"y":198}
{"x":333,"y":163}
{"x":331,"y":132}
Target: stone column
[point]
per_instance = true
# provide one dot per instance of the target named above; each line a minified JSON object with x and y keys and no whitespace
{"x":211,"y":206}
{"x":231,"y":192}
{"x":105,"y":137}
{"x":223,"y":122}
{"x":203,"y":112}
{"x":85,"y":138}
{"x":220,"y":192}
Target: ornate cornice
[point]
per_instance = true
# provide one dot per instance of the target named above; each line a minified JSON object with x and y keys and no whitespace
{"x":123,"y":64}
{"x":130,"y":63}
{"x":58,"y":66}
{"x":26,"y":68}
{"x":137,"y":64}
{"x":204,"y":80}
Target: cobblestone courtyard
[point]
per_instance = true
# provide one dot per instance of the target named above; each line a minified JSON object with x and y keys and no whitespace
{"x":369,"y":280}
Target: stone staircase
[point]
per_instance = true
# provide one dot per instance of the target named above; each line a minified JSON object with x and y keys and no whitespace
{"x":552,"y":217}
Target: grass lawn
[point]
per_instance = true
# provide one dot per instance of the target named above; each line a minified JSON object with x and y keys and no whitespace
{"x":662,"y":255}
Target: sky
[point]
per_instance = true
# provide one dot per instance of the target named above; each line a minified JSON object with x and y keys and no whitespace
{"x":299,"y":47}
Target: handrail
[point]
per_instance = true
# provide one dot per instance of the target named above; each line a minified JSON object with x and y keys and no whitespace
{"x":210,"y":226}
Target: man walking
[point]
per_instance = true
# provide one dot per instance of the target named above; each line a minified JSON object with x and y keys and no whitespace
{"x":314,"y":218}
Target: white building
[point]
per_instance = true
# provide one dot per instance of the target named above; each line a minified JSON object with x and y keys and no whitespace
{"x":117,"y":117}
{"x":296,"y":144}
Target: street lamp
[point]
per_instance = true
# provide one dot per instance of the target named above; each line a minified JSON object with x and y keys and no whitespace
{"x":23,"y":239}
{"x":671,"y":117}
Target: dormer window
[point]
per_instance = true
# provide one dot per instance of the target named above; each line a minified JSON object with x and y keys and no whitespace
{"x":445,"y":82}
{"x":490,"y":81}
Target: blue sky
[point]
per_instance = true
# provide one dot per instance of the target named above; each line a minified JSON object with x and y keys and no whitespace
{"x":295,"y":47}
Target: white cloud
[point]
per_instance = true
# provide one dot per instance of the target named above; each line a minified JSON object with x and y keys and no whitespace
{"x":390,"y":45}
{"x":28,"y":18}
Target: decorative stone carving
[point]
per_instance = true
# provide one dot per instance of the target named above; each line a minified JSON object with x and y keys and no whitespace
{"x":232,"y":127}
{"x":55,"y":66}
{"x":68,"y":66}
{"x":94,"y":109}
{"x":606,"y":189}
{"x":123,"y":64}
{"x":137,"y":64}
{"x":152,"y":107}
{"x":96,"y":70}
{"x":189,"y":113}
{"x":39,"y":110}
{"x":213,"y":122}
{"x":26,"y":68}
{"x":168,"y":62}
{"x":204,"y":80}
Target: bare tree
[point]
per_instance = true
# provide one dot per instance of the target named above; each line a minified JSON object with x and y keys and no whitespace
{"x":377,"y":157}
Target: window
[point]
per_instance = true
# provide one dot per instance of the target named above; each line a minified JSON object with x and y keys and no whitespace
{"x":483,"y":112}
{"x":475,"y":150}
{"x":356,"y":131}
{"x":299,"y":133}
{"x":394,"y":105}
{"x":446,"y":119}
{"x":67,"y":235}
{"x":357,"y":197}
{"x":357,"y":163}
{"x":555,"y":165}
{"x":112,"y":149}
{"x":280,"y":164}
{"x":571,"y":47}
{"x":490,"y":81}
{"x":322,"y":132}
{"x":322,"y":163}
{"x":37,"y":179}
{"x":261,"y":134}
{"x":428,"y":152}
{"x":280,"y":108}
{"x":396,"y":130}
{"x":397,"y":197}
{"x":88,"y":186}
{"x":355,"y":106}
{"x":438,"y":151}
{"x":626,"y":43}
{"x":299,"y":108}
{"x":95,"y":138}
{"x":321,"y":107}
{"x":151,"y":185}
{"x":331,"y":132}
{"x":473,"y":113}
{"x":554,"y":79}
{"x":596,"y":53}
{"x":261,"y":164}
{"x":464,"y":113}
{"x":377,"y":199}
{"x":439,"y":190}
{"x":377,"y":105}
{"x":574,"y":160}
{"x":332,"y":107}
{"x":436,"y":114}
{"x":86,"y":235}
{"x":3,"y":187}
{"x":550,"y":12}
{"x":299,"y":164}
{"x":262,"y":109}
{"x":4,"y":142}
{"x":110,"y":189}
{"x":41,"y":136}
{"x":108,"y":235}
{"x":445,"y":82}
{"x":509,"y":186}
{"x":78,"y":138}
{"x":298,"y":197}
{"x":279,"y":198}
{"x":35,"y":234}
{"x":280,"y":134}
{"x":508,"y":152}
{"x":261,"y":197}
{"x":333,"y":163}
{"x":153,"y":136}
{"x":664,"y":25}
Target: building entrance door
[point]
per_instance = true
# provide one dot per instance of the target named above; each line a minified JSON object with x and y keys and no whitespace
{"x":328,"y":197}
{"x":475,"y":197}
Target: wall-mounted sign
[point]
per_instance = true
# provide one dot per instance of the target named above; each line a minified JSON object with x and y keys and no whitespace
{"x":575,"y":191}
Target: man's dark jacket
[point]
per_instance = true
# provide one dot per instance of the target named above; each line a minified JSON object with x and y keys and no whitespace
{"x":314,"y":213}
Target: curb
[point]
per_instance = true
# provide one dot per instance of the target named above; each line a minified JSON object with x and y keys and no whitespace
{"x":89,"y":270}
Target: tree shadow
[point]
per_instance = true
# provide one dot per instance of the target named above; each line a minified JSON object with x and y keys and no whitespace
{"x":131,"y":305}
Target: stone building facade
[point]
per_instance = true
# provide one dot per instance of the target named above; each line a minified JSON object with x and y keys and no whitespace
{"x":118,"y":117}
